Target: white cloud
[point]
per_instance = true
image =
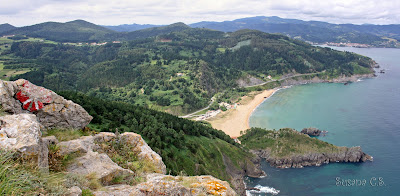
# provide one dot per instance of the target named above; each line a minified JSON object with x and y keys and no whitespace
{"x":105,"y":12}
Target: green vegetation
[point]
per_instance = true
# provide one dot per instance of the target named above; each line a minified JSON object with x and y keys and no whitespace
{"x":184,"y":145}
{"x":284,"y":142}
{"x":19,"y":177}
{"x":67,"y":134}
{"x":178,"y":70}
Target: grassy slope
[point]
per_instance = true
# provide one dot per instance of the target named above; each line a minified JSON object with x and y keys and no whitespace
{"x":285,"y":142}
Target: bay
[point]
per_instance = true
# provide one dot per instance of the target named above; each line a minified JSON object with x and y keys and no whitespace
{"x":365,"y":113}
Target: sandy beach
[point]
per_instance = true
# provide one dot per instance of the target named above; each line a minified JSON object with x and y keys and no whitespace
{"x":235,"y":120}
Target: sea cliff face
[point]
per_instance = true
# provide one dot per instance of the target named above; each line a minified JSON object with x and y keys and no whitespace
{"x":351,"y":155}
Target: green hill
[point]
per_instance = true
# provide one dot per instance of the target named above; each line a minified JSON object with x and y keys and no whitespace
{"x":74,"y":31}
{"x":314,"y":31}
{"x":145,"y":71}
{"x":6,"y":27}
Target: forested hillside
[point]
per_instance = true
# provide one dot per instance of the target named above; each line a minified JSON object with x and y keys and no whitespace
{"x":177,"y":71}
{"x":186,"y":147}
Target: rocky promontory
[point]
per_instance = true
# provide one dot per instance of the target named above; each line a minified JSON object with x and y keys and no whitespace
{"x":289,"y":148}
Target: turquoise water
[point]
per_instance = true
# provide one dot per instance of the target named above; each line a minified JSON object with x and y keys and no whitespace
{"x":365,"y":114}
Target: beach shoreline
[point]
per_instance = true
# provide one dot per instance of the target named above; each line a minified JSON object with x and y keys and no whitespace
{"x":233,"y":121}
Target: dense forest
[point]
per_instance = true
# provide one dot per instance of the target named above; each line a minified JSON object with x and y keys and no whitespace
{"x":177,"y":72}
{"x":185,"y":146}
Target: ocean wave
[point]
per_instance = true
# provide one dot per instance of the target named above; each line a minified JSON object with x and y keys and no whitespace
{"x":263,"y":189}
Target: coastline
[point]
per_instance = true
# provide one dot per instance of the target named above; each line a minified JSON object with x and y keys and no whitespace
{"x":235,"y":120}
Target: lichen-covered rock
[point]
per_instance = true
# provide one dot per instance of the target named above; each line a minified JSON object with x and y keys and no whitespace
{"x":74,"y":191}
{"x":82,"y":145}
{"x":7,"y":92}
{"x":143,"y":150}
{"x":21,"y":132}
{"x":119,"y":190}
{"x":158,"y":184}
{"x":52,"y":110}
{"x":99,"y":164}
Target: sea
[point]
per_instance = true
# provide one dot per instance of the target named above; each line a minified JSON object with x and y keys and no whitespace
{"x":365,"y":113}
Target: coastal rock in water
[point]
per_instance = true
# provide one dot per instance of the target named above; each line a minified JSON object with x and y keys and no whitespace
{"x":100,"y":165}
{"x":311,"y":131}
{"x":158,"y":184}
{"x":21,"y":132}
{"x":143,"y":150}
{"x":52,"y":110}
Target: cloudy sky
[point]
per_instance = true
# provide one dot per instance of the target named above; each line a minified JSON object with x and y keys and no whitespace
{"x":115,"y":12}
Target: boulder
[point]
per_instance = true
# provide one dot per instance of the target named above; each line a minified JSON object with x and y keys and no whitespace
{"x":99,"y":164}
{"x":7,"y":92}
{"x":74,"y":191}
{"x":159,"y":184}
{"x":144,"y":151}
{"x":21,"y":132}
{"x":52,"y":110}
{"x":82,"y":145}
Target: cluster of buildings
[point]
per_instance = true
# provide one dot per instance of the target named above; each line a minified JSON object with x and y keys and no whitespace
{"x":7,"y":36}
{"x":212,"y":113}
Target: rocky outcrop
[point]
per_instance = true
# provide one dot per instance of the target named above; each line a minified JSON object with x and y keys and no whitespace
{"x":52,"y":110}
{"x":158,"y":184}
{"x":341,"y":79}
{"x":311,"y":131}
{"x":143,"y":150}
{"x":90,"y":143}
{"x":249,"y":81}
{"x":251,"y":168}
{"x":99,"y":164}
{"x":353,"y":154}
{"x":74,"y":191}
{"x":20,"y":132}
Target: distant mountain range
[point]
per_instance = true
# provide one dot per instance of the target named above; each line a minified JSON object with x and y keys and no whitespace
{"x":131,"y":27}
{"x":313,"y":31}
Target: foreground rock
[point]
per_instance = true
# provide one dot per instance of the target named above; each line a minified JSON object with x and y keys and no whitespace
{"x":158,"y":184}
{"x":311,"y":131}
{"x":52,"y":110}
{"x":22,"y":133}
{"x":100,"y":165}
{"x":143,"y":150}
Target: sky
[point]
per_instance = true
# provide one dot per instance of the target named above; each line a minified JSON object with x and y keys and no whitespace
{"x":116,"y":12}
